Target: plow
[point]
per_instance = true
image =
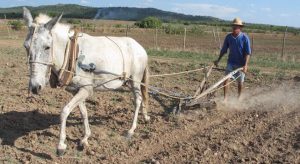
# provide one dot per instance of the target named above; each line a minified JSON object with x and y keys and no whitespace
{"x":204,"y":95}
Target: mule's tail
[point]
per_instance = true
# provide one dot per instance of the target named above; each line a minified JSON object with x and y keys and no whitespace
{"x":145,"y":88}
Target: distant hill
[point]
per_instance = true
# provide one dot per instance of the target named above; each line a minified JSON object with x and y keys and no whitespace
{"x":111,"y":13}
{"x":134,"y":14}
{"x":70,"y":11}
{"x":130,"y":14}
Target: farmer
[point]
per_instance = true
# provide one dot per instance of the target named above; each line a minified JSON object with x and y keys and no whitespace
{"x":239,"y":54}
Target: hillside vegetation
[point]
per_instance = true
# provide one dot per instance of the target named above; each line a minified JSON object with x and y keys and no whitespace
{"x":70,"y":11}
{"x":131,"y":14}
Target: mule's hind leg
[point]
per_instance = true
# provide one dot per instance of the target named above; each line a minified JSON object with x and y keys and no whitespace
{"x":144,"y":111}
{"x":76,"y":100}
{"x":87,"y":130}
{"x":145,"y":94}
{"x":136,"y":89}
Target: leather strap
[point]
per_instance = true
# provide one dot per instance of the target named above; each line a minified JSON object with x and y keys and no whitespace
{"x":68,"y":69}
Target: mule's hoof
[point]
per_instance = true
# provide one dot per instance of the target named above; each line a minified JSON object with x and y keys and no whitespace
{"x":129,"y":136}
{"x":82,"y":145}
{"x":147,"y":119}
{"x":60,"y":152}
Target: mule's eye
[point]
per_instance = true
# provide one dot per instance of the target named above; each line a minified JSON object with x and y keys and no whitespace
{"x":26,"y":45}
{"x":47,"y":48}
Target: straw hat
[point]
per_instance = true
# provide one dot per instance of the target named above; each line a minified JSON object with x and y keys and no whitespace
{"x":237,"y":22}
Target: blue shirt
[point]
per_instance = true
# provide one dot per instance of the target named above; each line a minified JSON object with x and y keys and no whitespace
{"x":239,"y":47}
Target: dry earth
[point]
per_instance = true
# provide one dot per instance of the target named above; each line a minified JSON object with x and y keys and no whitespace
{"x":264,"y":128}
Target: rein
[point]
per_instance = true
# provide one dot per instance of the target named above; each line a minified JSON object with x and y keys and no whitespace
{"x":50,"y":65}
{"x":70,"y":56}
{"x":40,"y":62}
{"x":43,"y":63}
{"x":67,"y":70}
{"x":124,"y":72}
{"x":69,"y":64}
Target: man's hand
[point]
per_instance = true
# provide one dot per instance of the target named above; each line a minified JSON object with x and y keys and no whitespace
{"x":245,"y":69}
{"x":216,"y":63}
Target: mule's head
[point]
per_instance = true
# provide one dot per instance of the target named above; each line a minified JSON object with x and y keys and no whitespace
{"x":38,"y":45}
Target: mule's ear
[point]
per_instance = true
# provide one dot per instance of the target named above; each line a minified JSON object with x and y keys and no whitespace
{"x":53,"y":22}
{"x":27,"y":17}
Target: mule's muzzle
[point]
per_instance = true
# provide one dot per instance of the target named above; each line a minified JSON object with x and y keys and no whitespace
{"x":36,"y":89}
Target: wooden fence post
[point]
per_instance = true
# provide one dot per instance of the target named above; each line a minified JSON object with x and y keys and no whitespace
{"x":283,"y":43}
{"x":127,"y":28}
{"x":252,"y":44}
{"x":156,"y":31}
{"x":219,"y":39}
{"x":184,"y":40}
{"x":7,"y":26}
{"x":215,"y":44}
{"x":214,"y":34}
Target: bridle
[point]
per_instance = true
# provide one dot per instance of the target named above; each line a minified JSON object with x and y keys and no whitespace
{"x":40,"y":62}
{"x":50,"y":65}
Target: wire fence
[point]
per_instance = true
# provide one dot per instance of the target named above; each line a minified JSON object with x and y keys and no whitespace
{"x":206,"y":41}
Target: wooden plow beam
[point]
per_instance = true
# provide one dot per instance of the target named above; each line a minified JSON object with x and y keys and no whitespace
{"x":199,"y":101}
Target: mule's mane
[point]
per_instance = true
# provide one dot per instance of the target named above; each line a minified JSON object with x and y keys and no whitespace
{"x":59,"y":28}
{"x":42,"y":19}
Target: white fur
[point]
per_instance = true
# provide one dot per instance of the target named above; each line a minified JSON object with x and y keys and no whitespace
{"x":111,"y":55}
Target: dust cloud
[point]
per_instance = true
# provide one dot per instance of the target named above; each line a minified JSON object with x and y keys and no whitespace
{"x":286,"y":96}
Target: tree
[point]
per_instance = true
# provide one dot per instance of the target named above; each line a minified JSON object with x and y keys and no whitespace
{"x":149,"y":22}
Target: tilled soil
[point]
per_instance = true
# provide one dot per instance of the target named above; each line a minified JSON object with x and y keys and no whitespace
{"x":263,"y":128}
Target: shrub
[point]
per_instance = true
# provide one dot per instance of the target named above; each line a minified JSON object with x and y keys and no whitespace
{"x":174,"y":29}
{"x":16,"y":25}
{"x":88,"y":26}
{"x":53,"y":14}
{"x":118,"y":26}
{"x":74,"y":21}
{"x":197,"y":30}
{"x":149,"y":22}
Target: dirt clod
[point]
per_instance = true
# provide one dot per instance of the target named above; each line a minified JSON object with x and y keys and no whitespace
{"x":264,"y":127}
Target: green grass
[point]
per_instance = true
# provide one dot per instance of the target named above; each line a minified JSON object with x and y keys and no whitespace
{"x":274,"y":62}
{"x":183,"y":55}
{"x":264,"y":61}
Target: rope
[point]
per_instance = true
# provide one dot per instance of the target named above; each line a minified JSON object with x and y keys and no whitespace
{"x":156,"y":90}
{"x":143,"y":84}
{"x":43,"y":63}
{"x":179,"y":73}
{"x":159,"y":92}
{"x":93,"y":78}
{"x":124,"y":73}
{"x":123,"y":76}
{"x":182,"y":98}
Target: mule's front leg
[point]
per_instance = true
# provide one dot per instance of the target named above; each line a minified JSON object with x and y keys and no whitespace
{"x":137,"y":103}
{"x":87,"y":133}
{"x":76,"y":100}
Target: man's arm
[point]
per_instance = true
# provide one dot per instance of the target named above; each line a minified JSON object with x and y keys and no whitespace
{"x":219,"y":59}
{"x":248,"y":52}
{"x":245,"y":68}
{"x":222,"y":52}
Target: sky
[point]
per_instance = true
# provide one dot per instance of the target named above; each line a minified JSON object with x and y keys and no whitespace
{"x":276,"y":12}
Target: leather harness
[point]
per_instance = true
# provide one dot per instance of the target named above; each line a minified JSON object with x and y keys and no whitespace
{"x":66,"y":72}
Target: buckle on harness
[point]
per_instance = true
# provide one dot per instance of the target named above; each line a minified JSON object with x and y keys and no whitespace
{"x":123,"y":77}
